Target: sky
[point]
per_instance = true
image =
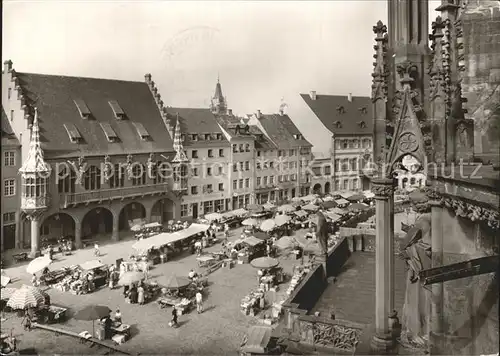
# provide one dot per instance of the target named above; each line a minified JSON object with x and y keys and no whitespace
{"x":264,"y":52}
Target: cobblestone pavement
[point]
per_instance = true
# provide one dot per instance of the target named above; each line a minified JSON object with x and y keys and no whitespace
{"x":219,"y":330}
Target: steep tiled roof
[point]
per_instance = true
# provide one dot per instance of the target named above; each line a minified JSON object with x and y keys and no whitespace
{"x":54,"y":97}
{"x":341,"y":116}
{"x":197,"y":121}
{"x":6,"y":128}
{"x":281,"y":131}
{"x":229,"y":123}
{"x":9,"y":139}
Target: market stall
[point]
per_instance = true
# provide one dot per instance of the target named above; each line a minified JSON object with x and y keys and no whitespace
{"x":148,"y":230}
{"x":50,"y":314}
{"x":342,"y":203}
{"x":252,"y":303}
{"x":250,"y":248}
{"x":270,"y":272}
{"x":177,"y":292}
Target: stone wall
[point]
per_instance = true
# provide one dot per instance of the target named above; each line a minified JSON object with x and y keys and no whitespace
{"x":470,"y":304}
{"x":481,"y":78}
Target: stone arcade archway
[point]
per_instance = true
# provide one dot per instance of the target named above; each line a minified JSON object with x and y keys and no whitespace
{"x":327,"y":188}
{"x":130,"y":213}
{"x":317,"y":188}
{"x":163,"y":211}
{"x":97,"y":221}
{"x":56,"y":226}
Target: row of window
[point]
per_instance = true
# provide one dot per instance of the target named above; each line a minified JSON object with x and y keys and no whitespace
{"x":285,"y":153}
{"x":210,"y":153}
{"x":244,"y":166}
{"x":281,"y":178}
{"x":241,"y":147}
{"x":240,"y":185}
{"x":347,"y":184}
{"x":206,"y":137}
{"x":349,"y":164}
{"x":208,"y":207}
{"x":355,"y":143}
{"x":206,"y":189}
{"x":241,"y":201}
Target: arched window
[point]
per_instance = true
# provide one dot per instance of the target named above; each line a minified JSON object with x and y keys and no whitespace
{"x":356,"y":143}
{"x":345,"y":144}
{"x":138,"y":174}
{"x":66,"y":181}
{"x":412,"y":181}
{"x":92,"y":178}
{"x":118,"y":178}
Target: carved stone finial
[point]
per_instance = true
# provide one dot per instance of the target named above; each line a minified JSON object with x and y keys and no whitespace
{"x":405,"y":70}
{"x":380,"y":29}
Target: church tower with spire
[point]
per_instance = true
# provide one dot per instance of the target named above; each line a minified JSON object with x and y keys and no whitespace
{"x":218,"y":104}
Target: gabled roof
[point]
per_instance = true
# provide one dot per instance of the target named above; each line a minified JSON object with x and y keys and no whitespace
{"x":55,"y":96}
{"x":197,"y":121}
{"x":282,"y":131}
{"x":234,"y":126}
{"x":341,"y":116}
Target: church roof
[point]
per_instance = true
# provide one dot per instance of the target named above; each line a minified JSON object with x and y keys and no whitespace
{"x":341,"y":116}
{"x":218,"y":91}
{"x":282,"y":131}
{"x":35,"y":162}
{"x":86,"y":107}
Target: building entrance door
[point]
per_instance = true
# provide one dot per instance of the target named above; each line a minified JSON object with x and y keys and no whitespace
{"x":9,"y":236}
{"x":195,"y":211}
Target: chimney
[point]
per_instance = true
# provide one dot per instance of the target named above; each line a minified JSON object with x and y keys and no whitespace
{"x":230,"y":112}
{"x":259,"y":114}
{"x":349,"y":97}
{"x":312,"y":94}
{"x":7,"y":66}
{"x":147,"y":78}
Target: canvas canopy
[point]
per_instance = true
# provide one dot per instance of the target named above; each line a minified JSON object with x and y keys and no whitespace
{"x":300,"y":213}
{"x":252,"y":241}
{"x":90,"y":265}
{"x":166,"y":238}
{"x":368,"y":194}
{"x":347,"y":194}
{"x":153,"y":224}
{"x":237,"y":212}
{"x":342,"y":202}
{"x":332,"y":216}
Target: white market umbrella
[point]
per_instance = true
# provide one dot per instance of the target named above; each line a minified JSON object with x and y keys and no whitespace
{"x":38,"y":264}
{"x":268,"y":225}
{"x":287,"y":208}
{"x":26,"y":297}
{"x":250,"y":222}
{"x":310,"y":207}
{"x":131,"y":277}
{"x":213,"y":216}
{"x":6,"y":293}
{"x":282,"y":220}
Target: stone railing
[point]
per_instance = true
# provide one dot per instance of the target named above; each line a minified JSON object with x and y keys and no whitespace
{"x":109,"y":194}
{"x":34,"y":203}
{"x":319,"y":333}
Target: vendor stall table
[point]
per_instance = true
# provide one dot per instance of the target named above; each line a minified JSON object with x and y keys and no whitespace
{"x":205,"y":261}
{"x":51,"y":314}
{"x":182,"y":305}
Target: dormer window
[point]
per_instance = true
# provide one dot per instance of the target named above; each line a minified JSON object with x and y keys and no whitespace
{"x":141,"y":130}
{"x":363,"y":110}
{"x":237,"y":129}
{"x":340,"y":109}
{"x":74,"y":135}
{"x":194,"y":137}
{"x":338,"y":124}
{"x":247,"y":129}
{"x":218,"y":137}
{"x":109,"y":132}
{"x":117,"y":110}
{"x":362,"y":124}
{"x":83,"y":109}
{"x":183,"y":137}
{"x":208,"y":137}
{"x":297,"y":136}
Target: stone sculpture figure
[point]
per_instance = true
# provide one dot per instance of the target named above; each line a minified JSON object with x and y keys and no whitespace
{"x":416,"y":251}
{"x":322,"y":232}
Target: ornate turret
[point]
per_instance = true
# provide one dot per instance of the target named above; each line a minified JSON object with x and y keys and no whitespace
{"x":35,"y":173}
{"x":219,"y":104}
{"x":179,"y":161}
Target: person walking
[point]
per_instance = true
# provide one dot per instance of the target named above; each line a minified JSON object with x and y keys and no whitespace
{"x":140,"y":295}
{"x":199,"y":302}
{"x":174,"y":317}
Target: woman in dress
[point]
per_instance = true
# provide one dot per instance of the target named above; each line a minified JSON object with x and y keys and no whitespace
{"x":140,"y":295}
